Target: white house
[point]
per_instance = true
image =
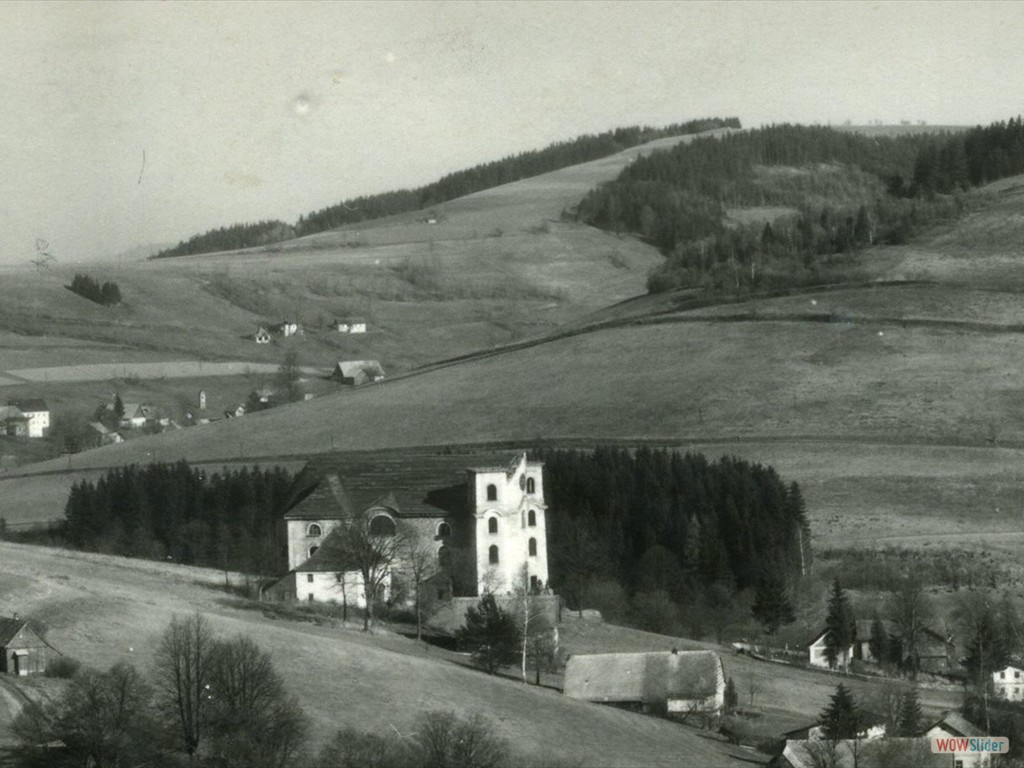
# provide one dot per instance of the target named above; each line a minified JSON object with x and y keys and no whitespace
{"x":135,"y":415}
{"x":37,"y":413}
{"x":680,"y":682}
{"x":357,"y":326}
{"x":1008,"y":683}
{"x":288,"y":328}
{"x":262,"y":335}
{"x":956,"y":725}
{"x":496,"y":515}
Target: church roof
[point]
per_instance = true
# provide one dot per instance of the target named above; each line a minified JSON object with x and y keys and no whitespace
{"x":322,"y":494}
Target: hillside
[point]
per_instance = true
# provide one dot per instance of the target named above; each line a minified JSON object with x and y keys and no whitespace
{"x":892,"y":404}
{"x":103,"y":610}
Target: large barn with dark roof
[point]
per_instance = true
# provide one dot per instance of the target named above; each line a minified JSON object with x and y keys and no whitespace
{"x":485,"y":524}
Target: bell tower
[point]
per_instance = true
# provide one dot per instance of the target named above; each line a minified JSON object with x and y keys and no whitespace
{"x":509,"y":516}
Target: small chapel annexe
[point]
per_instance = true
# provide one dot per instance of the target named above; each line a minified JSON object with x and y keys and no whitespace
{"x":488,"y":532}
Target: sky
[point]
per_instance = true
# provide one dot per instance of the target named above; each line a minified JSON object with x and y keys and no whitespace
{"x":131,"y":124}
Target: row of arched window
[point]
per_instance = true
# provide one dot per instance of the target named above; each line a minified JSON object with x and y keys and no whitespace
{"x":492,"y":522}
{"x":492,"y":551}
{"x":492,"y":490}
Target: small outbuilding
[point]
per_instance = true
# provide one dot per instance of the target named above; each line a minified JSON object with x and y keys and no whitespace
{"x":22,"y":650}
{"x":676,"y":682}
{"x":356,"y":372}
{"x":262,"y":335}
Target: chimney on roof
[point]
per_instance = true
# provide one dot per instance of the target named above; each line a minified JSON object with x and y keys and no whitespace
{"x":15,"y":616}
{"x":675,"y":651}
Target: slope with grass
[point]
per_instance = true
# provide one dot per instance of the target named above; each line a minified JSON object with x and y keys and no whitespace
{"x":852,"y":392}
{"x":104,"y":609}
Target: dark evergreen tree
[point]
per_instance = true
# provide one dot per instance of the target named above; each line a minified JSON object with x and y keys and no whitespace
{"x":491,"y":634}
{"x":732,"y":698}
{"x":910,"y":718}
{"x":840,"y":627}
{"x":841,"y":719}
{"x":771,"y":605}
{"x":880,"y":643}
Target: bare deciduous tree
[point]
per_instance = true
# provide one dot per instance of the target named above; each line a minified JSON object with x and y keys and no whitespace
{"x":253,"y":722}
{"x":420,"y":563}
{"x":183,"y":674}
{"x":373,"y":545}
{"x":911,"y":610}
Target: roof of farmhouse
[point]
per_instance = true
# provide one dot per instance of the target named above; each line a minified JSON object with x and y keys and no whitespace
{"x":643,"y":677}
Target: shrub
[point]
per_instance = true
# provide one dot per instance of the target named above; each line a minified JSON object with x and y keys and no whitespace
{"x":64,"y":667}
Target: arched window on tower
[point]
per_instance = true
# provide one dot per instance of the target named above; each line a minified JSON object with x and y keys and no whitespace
{"x":492,"y":492}
{"x":533,"y":547}
{"x":531,"y":518}
{"x":492,"y":525}
{"x":314,"y":530}
{"x":492,"y":554}
{"x":530,"y":485}
{"x":382,"y":525}
{"x":443,"y":530}
{"x":444,"y":557}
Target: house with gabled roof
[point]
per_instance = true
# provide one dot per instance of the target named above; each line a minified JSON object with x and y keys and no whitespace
{"x":262,"y":335}
{"x":13,"y":423}
{"x":37,"y":412}
{"x":676,"y":682}
{"x":23,"y":651}
{"x":356,"y":372}
{"x":935,"y":653}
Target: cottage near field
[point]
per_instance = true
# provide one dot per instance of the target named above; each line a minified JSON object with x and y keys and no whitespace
{"x":38,"y":414}
{"x":22,"y":651}
{"x":356,"y":372}
{"x":677,"y":682}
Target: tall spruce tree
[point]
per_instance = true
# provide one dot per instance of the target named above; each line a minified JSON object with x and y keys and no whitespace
{"x":841,"y":718}
{"x":880,"y":644}
{"x":910,"y":715}
{"x":771,"y":605}
{"x":839,"y":626}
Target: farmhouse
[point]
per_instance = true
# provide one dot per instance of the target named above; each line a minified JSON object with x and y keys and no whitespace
{"x":22,"y":650}
{"x":484,"y":529}
{"x":935,"y":653}
{"x":1008,"y":683}
{"x":38,"y":414}
{"x":859,"y":753}
{"x":287,"y":328}
{"x":679,"y":682}
{"x":13,"y":423}
{"x":102,"y":435}
{"x":135,"y":415}
{"x":262,"y":335}
{"x":356,"y":372}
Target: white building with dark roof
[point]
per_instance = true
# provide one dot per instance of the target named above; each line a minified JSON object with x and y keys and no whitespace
{"x":38,"y":414}
{"x":488,"y":528}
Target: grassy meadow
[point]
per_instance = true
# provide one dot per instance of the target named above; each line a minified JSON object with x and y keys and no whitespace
{"x":107,"y":609}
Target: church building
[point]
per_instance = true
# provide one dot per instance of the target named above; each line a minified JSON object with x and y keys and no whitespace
{"x":486,"y":529}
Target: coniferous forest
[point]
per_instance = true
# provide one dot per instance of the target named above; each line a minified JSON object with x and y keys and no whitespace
{"x":226,"y":520}
{"x":89,"y":288}
{"x":464,"y":182}
{"x":887,"y":188}
{"x":657,"y":518}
